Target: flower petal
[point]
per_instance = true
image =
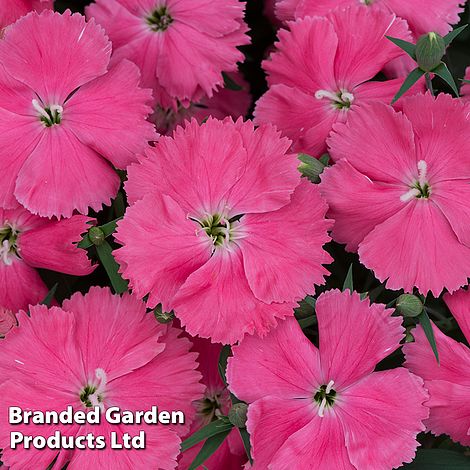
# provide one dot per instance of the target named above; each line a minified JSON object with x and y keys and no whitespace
{"x":278,"y":269}
{"x":217,"y":302}
{"x":354,"y":336}
{"x":109,"y":115}
{"x":54,"y":246}
{"x":157,"y":228}
{"x":287,"y":365}
{"x":367,"y":146}
{"x":356,"y":203}
{"x":372,"y":411}
{"x":459,"y":305}
{"x":54,"y":71}
{"x":417,"y":248}
{"x":62,"y":175}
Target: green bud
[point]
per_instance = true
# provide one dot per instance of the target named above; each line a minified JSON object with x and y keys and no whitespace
{"x":161,"y":316}
{"x":430,"y":49}
{"x":310,"y":167}
{"x":96,"y":236}
{"x":237,"y":414}
{"x":409,"y":305}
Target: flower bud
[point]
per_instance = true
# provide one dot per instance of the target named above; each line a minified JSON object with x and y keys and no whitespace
{"x":429,"y":51}
{"x":96,"y":236}
{"x":237,"y":414}
{"x":7,"y":321}
{"x":409,"y":338}
{"x":409,"y":305}
{"x":310,"y":167}
{"x":161,"y":316}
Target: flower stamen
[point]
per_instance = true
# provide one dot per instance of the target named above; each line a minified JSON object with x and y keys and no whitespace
{"x":340,"y":100}
{"x":49,"y":115}
{"x":160,"y":19}
{"x":324,"y":397}
{"x":420,"y":188}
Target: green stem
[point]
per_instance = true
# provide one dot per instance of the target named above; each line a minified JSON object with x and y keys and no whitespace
{"x":428,"y":79}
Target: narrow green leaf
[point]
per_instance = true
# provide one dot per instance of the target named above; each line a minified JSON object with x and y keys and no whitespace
{"x":438,"y":459}
{"x":246,"y":443}
{"x":348,"y":282}
{"x":50,"y":296}
{"x":219,"y":426}
{"x":225,"y":353}
{"x":209,"y":447}
{"x":428,"y":331}
{"x":105,"y":254}
{"x":410,"y":80}
{"x":408,"y":47}
{"x":442,"y":71}
{"x":230,"y":83}
{"x":448,"y":38}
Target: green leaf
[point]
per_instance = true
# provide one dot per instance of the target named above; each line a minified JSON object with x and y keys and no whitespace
{"x":410,"y":80}
{"x":408,"y":47}
{"x":50,"y":295}
{"x":325,"y":159}
{"x":307,"y":322}
{"x":209,"y":447}
{"x":348,"y":282}
{"x":246,"y":443}
{"x":225,"y":353}
{"x":453,"y":34}
{"x":105,"y":254}
{"x":230,"y":84}
{"x":219,"y":426}
{"x":438,"y":459}
{"x":442,"y":71}
{"x":311,"y":301}
{"x":310,"y":167}
{"x":428,"y":331}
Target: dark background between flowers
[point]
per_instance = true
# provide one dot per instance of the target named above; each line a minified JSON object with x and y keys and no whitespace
{"x":263,"y":35}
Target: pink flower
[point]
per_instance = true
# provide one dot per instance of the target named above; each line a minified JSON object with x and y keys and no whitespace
{"x":311,"y":88}
{"x":107,"y":351}
{"x":448,"y":382}
{"x":237,"y":235}
{"x":400,"y":191}
{"x":326,"y":408}
{"x":28,"y":242}
{"x":423,"y":16}
{"x":13,"y":9}
{"x":225,"y":102}
{"x":231,"y":454}
{"x":7,"y":321}
{"x":465,"y":90}
{"x":180,"y":46}
{"x":65,"y":120}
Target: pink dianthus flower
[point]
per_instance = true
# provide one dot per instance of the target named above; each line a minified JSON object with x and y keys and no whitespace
{"x":11,"y":10}
{"x":223,"y":231}
{"x":7,"y":321}
{"x":28,"y":242}
{"x":321,"y":69}
{"x":181,"y":46}
{"x":65,"y":119}
{"x":400,"y":193}
{"x":231,"y":454}
{"x":448,"y":382}
{"x":422,"y":16}
{"x":326,"y":408}
{"x":100,"y":350}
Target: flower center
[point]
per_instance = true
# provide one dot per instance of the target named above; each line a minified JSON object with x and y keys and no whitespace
{"x":340,"y":100}
{"x":8,"y":248}
{"x":324,"y":397}
{"x":219,"y":228}
{"x":93,"y":394}
{"x":160,"y":19}
{"x":49,"y":115}
{"x":366,"y":2}
{"x":420,"y":188}
{"x":209,"y":408}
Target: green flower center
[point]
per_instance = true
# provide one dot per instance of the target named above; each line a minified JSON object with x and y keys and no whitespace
{"x":8,"y":248}
{"x":342,"y":99}
{"x":420,"y":188}
{"x":49,"y":115}
{"x":325,"y":397}
{"x":85,"y":395}
{"x":160,"y":19}
{"x":209,"y":408}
